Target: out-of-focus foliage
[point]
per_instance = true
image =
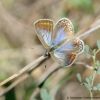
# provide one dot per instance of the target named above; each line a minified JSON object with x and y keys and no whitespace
{"x":86,"y":5}
{"x":98,"y":44}
{"x":19,"y":46}
{"x":45,"y":94}
{"x":89,"y":81}
{"x":8,"y":3}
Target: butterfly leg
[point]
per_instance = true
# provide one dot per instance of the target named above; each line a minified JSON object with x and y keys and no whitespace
{"x":46,"y":54}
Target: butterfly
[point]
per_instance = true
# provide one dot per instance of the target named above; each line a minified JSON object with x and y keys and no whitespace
{"x":59,"y":40}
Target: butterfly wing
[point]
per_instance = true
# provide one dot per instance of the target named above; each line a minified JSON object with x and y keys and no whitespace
{"x":44,"y":29}
{"x":63,"y":30}
{"x":67,"y":53}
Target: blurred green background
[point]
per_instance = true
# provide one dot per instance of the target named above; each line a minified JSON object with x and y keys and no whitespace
{"x":19,"y":45}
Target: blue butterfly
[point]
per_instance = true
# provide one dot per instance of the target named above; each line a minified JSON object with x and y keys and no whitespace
{"x":59,"y":40}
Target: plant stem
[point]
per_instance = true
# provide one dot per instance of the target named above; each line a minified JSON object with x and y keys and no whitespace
{"x":88,"y":32}
{"x":91,"y":94}
{"x":26,"y":69}
{"x":93,"y":75}
{"x":92,"y":83}
{"x":97,"y":51}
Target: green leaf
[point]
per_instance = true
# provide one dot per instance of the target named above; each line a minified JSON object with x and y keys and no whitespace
{"x":88,"y":80}
{"x":79,"y":77}
{"x":94,"y":51}
{"x":87,"y":86}
{"x":87,"y":48}
{"x":87,"y":51}
{"x":97,"y":63}
{"x":98,"y":44}
{"x":85,"y":5}
{"x":97,"y":87}
{"x":45,"y":95}
{"x":98,"y":70}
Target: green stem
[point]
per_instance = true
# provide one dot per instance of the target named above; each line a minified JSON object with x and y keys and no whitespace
{"x":97,"y":51}
{"x":91,"y":94}
{"x":92,"y":83}
{"x":93,"y":76}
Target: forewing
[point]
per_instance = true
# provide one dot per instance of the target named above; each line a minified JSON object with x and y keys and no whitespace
{"x":67,"y":53}
{"x":44,"y":29}
{"x":63,"y":30}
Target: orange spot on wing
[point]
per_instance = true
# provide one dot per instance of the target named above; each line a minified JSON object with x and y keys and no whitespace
{"x":72,"y":57}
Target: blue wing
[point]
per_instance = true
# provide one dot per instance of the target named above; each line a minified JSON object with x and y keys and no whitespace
{"x":63,"y":30}
{"x":44,"y":29}
{"x":67,"y":53}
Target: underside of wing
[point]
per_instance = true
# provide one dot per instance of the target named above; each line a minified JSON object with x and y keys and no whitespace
{"x":44,"y":29}
{"x":66,"y":54}
{"x":63,"y":30}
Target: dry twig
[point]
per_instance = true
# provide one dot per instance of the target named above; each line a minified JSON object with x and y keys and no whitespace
{"x":21,"y":79}
{"x":52,"y":69}
{"x":22,"y":74}
{"x":29,"y":67}
{"x":26,"y":69}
